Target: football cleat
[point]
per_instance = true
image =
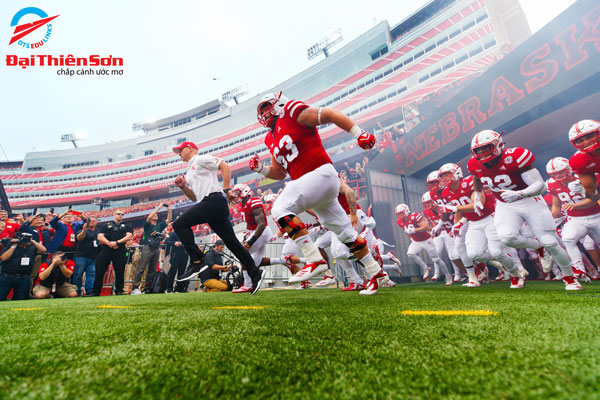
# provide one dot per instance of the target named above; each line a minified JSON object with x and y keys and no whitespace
{"x":242,"y":289}
{"x":308,"y":271}
{"x":457,"y":277}
{"x":394,"y":259}
{"x":435,"y":277}
{"x":390,"y":283}
{"x":289,"y":263}
{"x":545,"y":259}
{"x":472,"y":283}
{"x":353,"y":287}
{"x":517,"y":282}
{"x":448,"y":281}
{"x":304,"y":285}
{"x":374,"y":283}
{"x":571,"y":283}
{"x":580,"y":275}
{"x":326,"y":281}
{"x":426,"y":274}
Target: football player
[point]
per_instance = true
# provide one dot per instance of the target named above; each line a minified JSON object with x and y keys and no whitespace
{"x":517,"y":186}
{"x":296,"y":149}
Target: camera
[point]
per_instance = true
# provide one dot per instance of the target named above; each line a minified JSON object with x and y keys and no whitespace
{"x":24,"y":238}
{"x":165,"y":204}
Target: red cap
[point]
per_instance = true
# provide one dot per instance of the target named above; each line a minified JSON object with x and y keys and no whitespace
{"x":184,"y":144}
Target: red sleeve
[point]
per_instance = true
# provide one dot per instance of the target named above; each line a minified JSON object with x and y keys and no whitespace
{"x":417,"y":217}
{"x":294,"y":107}
{"x":579,"y":163}
{"x":70,"y":265}
{"x":471,"y":166}
{"x":522,"y":158}
{"x":43,"y":267}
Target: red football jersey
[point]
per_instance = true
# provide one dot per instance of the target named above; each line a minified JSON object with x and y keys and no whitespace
{"x":296,"y":147}
{"x":10,"y":229}
{"x":462,"y":197}
{"x":436,"y":196}
{"x":434,"y":216}
{"x":505,"y":174}
{"x":247,"y":207}
{"x":584,"y":163}
{"x":413,"y":220}
{"x":566,"y":196}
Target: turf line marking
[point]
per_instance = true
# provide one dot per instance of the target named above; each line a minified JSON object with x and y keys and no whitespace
{"x":27,"y":309}
{"x":449,"y":312}
{"x":109,"y":306}
{"x":238,"y":308}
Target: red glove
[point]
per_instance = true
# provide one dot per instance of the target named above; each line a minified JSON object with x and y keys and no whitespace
{"x":255,"y":164}
{"x":448,"y":208}
{"x":456,"y":229}
{"x":366,"y":140}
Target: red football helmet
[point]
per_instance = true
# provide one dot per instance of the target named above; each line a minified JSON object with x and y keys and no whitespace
{"x":449,"y":173}
{"x":558,"y":168}
{"x":402,"y":210}
{"x":487,"y":145}
{"x":585,"y":135}
{"x":241,"y":191}
{"x":270,"y":106}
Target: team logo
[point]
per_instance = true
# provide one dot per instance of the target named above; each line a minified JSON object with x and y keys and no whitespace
{"x":464,"y":185}
{"x":508,"y":160}
{"x":502,"y":168}
{"x":26,"y":22}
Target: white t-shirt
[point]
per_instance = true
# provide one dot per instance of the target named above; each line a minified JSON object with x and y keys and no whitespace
{"x":201,"y":175}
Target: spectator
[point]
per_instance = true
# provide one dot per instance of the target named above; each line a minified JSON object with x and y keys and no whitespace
{"x":17,"y":263}
{"x":211,"y":278}
{"x":153,"y":235}
{"x":57,"y":273}
{"x":179,"y":260}
{"x":112,"y":236}
{"x":36,"y":226}
{"x":86,"y":252}
{"x":359,"y":171}
{"x":65,"y":235}
{"x":10,"y":227}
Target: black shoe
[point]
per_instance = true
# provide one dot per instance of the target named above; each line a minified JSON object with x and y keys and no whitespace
{"x":91,"y":295}
{"x":192,"y":271}
{"x":257,"y":280}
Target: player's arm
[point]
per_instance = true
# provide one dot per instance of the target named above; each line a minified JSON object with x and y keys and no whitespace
{"x":275,"y":171}
{"x":458,"y":216}
{"x":588,"y":181}
{"x":585,"y":203}
{"x":556,"y":207}
{"x":422,"y":226}
{"x":351,"y":198}
{"x":182,"y":184}
{"x":313,"y":117}
{"x":476,"y":197}
{"x":259,"y":218}
{"x":535,"y":186}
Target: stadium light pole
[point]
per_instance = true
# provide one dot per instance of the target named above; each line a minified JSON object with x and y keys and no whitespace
{"x":235,"y":93}
{"x":323,"y":45}
{"x":73,"y":138}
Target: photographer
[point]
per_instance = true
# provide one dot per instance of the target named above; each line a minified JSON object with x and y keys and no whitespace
{"x":17,"y":262}
{"x":36,"y":226}
{"x":58,"y":272}
{"x":65,"y":233}
{"x":112,"y":236}
{"x":179,"y":260}
{"x":86,"y":252}
{"x":211,"y":278}
{"x":150,"y":248}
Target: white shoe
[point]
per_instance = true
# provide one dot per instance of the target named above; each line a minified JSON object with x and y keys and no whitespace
{"x":456,"y":277}
{"x":395,"y":259}
{"x":308,"y":271}
{"x":517,"y":282}
{"x":427,"y":272}
{"x":435,"y":277}
{"x":390,"y":283}
{"x":373,"y":285}
{"x":580,"y":275}
{"x":571,"y":283}
{"x":304,"y":285}
{"x":545,"y":259}
{"x":326,"y":281}
{"x":472,"y":284}
{"x":449,"y":282}
{"x":136,"y":291}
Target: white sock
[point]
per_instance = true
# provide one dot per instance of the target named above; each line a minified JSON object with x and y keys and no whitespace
{"x":328,"y":273}
{"x":309,"y":249}
{"x":351,"y":273}
{"x":471,"y":273}
{"x":392,"y":267}
{"x":274,"y":261}
{"x":371,"y":265}
{"x":247,"y":280}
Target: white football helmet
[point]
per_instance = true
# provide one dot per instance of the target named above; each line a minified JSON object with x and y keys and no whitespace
{"x":426,"y":200}
{"x":402,"y":209}
{"x":241,"y":191}
{"x":432,"y":180}
{"x":450,"y":173}
{"x":489,"y":143}
{"x":558,"y":168}
{"x":583,"y":128}
{"x":270,"y":106}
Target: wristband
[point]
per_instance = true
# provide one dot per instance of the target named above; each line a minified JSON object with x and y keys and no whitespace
{"x":226,"y":190}
{"x":355,"y":131}
{"x":252,"y":240}
{"x":265,"y":171}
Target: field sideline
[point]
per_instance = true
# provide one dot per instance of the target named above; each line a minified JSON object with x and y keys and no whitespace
{"x":543,"y":343}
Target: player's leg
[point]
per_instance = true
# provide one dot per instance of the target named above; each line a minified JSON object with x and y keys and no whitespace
{"x":355,"y":282}
{"x":413,"y":254}
{"x":508,"y":222}
{"x":460,"y":248}
{"x":439,"y":264}
{"x":573,"y":231}
{"x":323,"y":242}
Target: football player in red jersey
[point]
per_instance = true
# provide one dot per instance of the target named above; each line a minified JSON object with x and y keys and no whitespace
{"x":517,"y":186}
{"x":583,"y":213}
{"x":258,"y":232}
{"x":585,"y":136}
{"x":296,"y":149}
{"x":418,"y":230}
{"x":481,"y":234}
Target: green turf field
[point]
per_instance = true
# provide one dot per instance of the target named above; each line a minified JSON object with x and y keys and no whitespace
{"x":312,"y":344}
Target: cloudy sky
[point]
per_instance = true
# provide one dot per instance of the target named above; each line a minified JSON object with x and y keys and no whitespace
{"x":177,"y":55}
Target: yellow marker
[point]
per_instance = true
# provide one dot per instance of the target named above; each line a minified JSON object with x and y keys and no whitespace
{"x":239,"y":308}
{"x":27,"y":309}
{"x":449,"y":312}
{"x":109,"y":306}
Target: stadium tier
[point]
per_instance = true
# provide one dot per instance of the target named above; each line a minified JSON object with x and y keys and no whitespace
{"x":380,"y":77}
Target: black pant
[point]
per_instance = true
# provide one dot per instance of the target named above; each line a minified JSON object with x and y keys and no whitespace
{"x":119,"y":258}
{"x":178,"y":264}
{"x":213,"y":210}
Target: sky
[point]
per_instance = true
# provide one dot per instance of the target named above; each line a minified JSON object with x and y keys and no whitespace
{"x":177,"y":55}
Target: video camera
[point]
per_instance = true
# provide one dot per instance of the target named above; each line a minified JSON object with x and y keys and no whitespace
{"x":24,"y":238}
